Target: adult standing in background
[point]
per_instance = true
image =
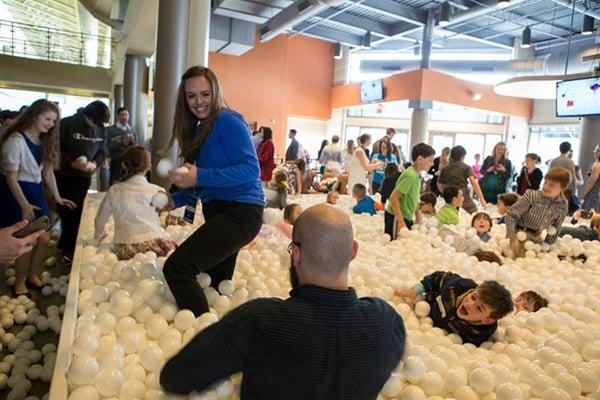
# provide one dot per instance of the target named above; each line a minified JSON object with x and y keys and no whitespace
{"x":438,"y":163}
{"x":358,"y":164}
{"x":324,"y":144}
{"x":385,"y":157}
{"x":590,"y":196}
{"x":81,"y":136}
{"x":496,"y":170}
{"x":118,"y":138}
{"x":257,"y":137}
{"x":266,"y":155}
{"x":294,"y":150}
{"x":389,"y":135}
{"x":222,"y":172}
{"x":531,"y":176}
{"x":331,"y":156}
{"x":565,"y":162}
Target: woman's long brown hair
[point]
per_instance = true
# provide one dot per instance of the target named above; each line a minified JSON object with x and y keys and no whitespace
{"x":185,"y":122}
{"x":49,"y":140}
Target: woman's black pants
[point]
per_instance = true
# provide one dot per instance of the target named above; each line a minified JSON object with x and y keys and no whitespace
{"x":212,"y":249}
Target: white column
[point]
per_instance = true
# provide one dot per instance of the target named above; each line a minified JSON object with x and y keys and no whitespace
{"x":171,"y":43}
{"x":198,"y":33}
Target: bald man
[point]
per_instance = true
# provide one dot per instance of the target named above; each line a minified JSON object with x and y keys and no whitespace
{"x":321,"y":343}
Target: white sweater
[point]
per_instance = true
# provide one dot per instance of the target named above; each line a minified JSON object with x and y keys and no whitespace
{"x":135,"y":219}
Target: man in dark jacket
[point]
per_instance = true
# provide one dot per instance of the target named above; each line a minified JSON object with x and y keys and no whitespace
{"x":81,"y":152}
{"x":322,"y":343}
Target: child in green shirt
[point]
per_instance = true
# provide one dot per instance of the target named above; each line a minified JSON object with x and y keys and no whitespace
{"x":403,"y":201}
{"x":448,"y":215}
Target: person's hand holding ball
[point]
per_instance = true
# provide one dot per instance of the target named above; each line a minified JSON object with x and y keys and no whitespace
{"x":184,"y":176}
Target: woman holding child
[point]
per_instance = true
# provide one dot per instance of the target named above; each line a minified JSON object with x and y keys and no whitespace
{"x":222,"y":172}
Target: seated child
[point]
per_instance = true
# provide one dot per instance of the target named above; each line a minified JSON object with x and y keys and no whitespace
{"x":136,"y":221}
{"x":276,"y":191}
{"x":427,"y":204}
{"x":290,"y":214}
{"x":482,"y":222}
{"x":448,"y":215}
{"x":333,"y":197}
{"x":364,"y":203}
{"x":391,"y":173}
{"x":461,"y":306}
{"x":505,"y":202}
{"x":530,"y":301}
{"x":539,"y":210}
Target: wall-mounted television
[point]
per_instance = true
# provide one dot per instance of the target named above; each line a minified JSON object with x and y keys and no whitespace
{"x":371,"y":91}
{"x":578,"y":97}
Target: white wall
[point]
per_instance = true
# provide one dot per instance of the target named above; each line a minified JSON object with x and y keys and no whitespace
{"x":517,"y":140}
{"x":311,"y":133}
{"x":544,"y":112}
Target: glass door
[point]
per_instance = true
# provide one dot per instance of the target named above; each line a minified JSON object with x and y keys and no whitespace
{"x":440,"y":140}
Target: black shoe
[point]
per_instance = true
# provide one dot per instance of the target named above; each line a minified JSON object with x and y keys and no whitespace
{"x":32,"y":285}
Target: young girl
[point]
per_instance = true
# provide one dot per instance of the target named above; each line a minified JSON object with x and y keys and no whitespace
{"x":137,"y":224}
{"x":276,"y":191}
{"x":29,"y":155}
{"x":448,"y":215}
{"x":482,"y":223}
{"x":291,"y":212}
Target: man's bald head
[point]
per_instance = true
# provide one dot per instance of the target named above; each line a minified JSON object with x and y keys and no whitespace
{"x":325,"y":236}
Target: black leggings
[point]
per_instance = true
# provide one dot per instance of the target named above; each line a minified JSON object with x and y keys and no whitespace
{"x":390,"y":225}
{"x":213,"y":249}
{"x":73,"y":188}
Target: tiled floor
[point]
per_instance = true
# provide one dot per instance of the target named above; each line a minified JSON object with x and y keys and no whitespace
{"x":39,"y":388}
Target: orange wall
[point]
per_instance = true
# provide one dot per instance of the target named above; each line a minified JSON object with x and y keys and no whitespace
{"x":284,"y":76}
{"x":434,"y":85}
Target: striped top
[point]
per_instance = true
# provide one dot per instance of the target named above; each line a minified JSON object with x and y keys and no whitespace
{"x":536,"y":212}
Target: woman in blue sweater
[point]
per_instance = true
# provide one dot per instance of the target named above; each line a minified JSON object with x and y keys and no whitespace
{"x":223,"y":173}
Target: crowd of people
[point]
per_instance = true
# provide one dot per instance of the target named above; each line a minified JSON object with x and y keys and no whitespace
{"x":355,"y":343}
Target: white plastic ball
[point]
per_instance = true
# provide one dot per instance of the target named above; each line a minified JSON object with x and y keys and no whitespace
{"x":422,"y":309}
{"x":163,"y":167}
{"x":83,"y":370}
{"x":184,"y":320}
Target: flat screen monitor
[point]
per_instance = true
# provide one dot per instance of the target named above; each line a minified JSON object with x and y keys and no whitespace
{"x":578,"y":97}
{"x":371,"y":91}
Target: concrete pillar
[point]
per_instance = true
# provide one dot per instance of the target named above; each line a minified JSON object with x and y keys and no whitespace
{"x":198,"y":33}
{"x":135,"y":94}
{"x":589,"y":138}
{"x":419,"y":126}
{"x":118,"y":100}
{"x":171,"y":44}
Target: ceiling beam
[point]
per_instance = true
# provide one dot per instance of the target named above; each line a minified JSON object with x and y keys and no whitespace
{"x":349,"y":20}
{"x":330,"y":35}
{"x":395,"y":10}
{"x":579,"y":8}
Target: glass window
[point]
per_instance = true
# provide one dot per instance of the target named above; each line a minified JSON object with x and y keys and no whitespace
{"x":441,"y":140}
{"x":490,"y":141}
{"x":545,"y":140}
{"x":472,"y":142}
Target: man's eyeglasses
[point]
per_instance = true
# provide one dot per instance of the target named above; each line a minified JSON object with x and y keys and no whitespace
{"x":292,"y":243}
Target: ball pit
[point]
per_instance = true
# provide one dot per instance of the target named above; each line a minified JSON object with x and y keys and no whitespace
{"x":551,"y":354}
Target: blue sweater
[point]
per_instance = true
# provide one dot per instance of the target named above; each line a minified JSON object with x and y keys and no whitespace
{"x":227,"y":165}
{"x":366,"y":205}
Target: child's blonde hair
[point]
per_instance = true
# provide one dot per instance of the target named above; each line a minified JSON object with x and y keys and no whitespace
{"x":136,"y":160}
{"x":280,"y":180}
